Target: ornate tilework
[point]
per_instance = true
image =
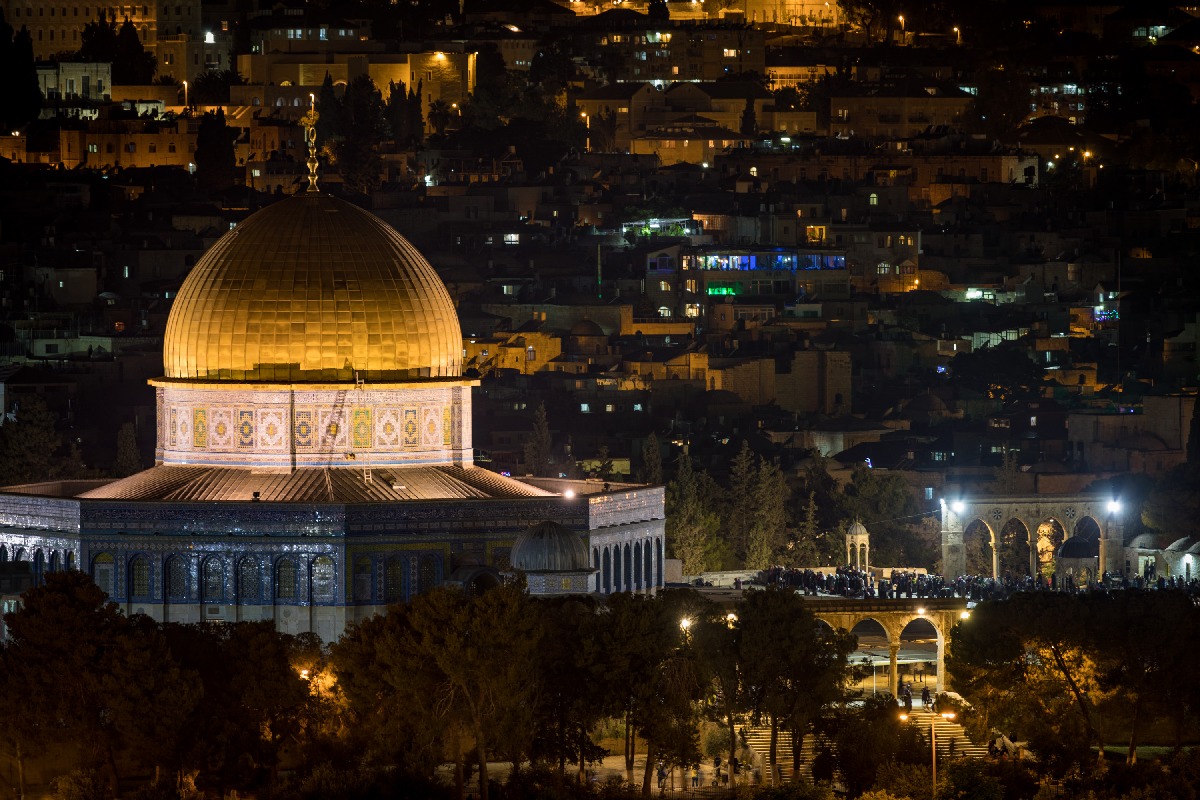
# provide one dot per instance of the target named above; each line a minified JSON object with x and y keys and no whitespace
{"x":361,"y":424}
{"x":245,"y":428}
{"x":332,"y":430}
{"x":271,"y":429}
{"x":303,"y":429}
{"x":431,"y":434}
{"x":173,"y":428}
{"x":447,"y":427}
{"x":411,"y":431}
{"x":387,"y":427}
{"x":220,"y":428}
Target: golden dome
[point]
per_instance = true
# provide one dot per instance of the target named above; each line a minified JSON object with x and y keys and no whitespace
{"x":312,"y":289}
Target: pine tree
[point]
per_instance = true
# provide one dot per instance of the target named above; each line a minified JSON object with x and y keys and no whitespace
{"x":128,"y":460}
{"x":604,"y":464}
{"x":29,"y":444}
{"x":739,"y":516}
{"x":768,"y":530}
{"x":20,"y":97}
{"x":98,"y":42}
{"x":537,"y":449}
{"x":691,"y":525}
{"x":216,"y":160}
{"x":651,"y":471}
{"x":131,"y":64}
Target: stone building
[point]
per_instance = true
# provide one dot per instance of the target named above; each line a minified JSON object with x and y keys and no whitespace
{"x":314,"y":458}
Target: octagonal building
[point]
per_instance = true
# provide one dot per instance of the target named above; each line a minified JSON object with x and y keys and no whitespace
{"x":314,"y":456}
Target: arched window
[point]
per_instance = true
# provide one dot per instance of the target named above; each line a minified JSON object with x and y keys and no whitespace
{"x":103,"y":572}
{"x":617,"y":572}
{"x":177,"y":579}
{"x":70,"y":559}
{"x":324,"y":581}
{"x":596,"y":564}
{"x":658,"y":562}
{"x":637,"y":565}
{"x":285,"y":579}
{"x":873,"y":199}
{"x":39,"y":566}
{"x":214,"y":581}
{"x":249,"y":581}
{"x":648,"y":565}
{"x":362,"y":580}
{"x":3,"y":554}
{"x":393,"y":580}
{"x":427,"y":576}
{"x":628,"y":567}
{"x":606,"y":572}
{"x":19,"y":555}
{"x":55,"y":562}
{"x":139,"y":578}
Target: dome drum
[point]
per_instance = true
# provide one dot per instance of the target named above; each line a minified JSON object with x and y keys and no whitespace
{"x":316,"y":425}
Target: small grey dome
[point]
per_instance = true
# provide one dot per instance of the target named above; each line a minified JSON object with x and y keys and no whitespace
{"x":550,"y":547}
{"x":857,"y":529}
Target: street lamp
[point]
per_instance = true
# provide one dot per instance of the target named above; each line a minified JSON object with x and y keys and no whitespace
{"x":587,"y":121}
{"x":957,"y":35}
{"x":185,"y":97}
{"x":933,"y":718}
{"x":903,"y":35}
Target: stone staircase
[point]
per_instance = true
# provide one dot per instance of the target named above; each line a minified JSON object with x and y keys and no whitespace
{"x":951,"y":742}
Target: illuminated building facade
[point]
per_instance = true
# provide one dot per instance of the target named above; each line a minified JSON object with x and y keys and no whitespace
{"x":314,"y":459}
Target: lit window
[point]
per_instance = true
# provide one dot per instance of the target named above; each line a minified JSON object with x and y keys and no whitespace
{"x":585,"y":408}
{"x":664,"y":286}
{"x":512,"y":238}
{"x":609,"y":407}
{"x":873,"y":199}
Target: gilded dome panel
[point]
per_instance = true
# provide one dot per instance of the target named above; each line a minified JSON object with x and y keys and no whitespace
{"x":312,"y":289}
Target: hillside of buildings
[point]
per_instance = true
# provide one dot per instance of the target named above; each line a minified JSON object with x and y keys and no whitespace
{"x":954,"y":251}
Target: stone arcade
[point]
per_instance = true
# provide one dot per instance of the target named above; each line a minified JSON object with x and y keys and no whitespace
{"x":314,"y":456}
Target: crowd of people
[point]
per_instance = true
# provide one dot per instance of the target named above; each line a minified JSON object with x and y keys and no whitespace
{"x":851,"y":582}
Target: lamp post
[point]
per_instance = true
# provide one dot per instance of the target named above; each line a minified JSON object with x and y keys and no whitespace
{"x":957,"y":35}
{"x":185,"y":95}
{"x":903,"y":35}
{"x":933,"y":718}
{"x":587,"y":121}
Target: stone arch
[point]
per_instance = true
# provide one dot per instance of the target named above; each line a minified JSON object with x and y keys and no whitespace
{"x":3,"y":554}
{"x":39,"y":566}
{"x":55,"y":561}
{"x":19,"y":555}
{"x":1015,"y":548}
{"x":596,"y":565}
{"x":979,"y":544}
{"x":1065,"y":510}
{"x":1047,"y":537}
{"x":606,"y":573}
{"x":70,"y":559}
{"x":618,"y":569}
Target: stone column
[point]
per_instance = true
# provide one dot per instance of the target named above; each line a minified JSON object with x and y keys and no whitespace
{"x":894,"y":668}
{"x":940,"y":686}
{"x":954,"y":558}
